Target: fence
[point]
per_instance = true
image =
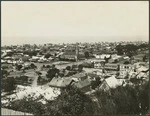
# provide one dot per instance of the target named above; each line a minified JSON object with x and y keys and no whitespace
{"x":8,"y":112}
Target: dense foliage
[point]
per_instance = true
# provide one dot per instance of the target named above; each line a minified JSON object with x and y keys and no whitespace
{"x":130,"y":49}
{"x":52,"y":72}
{"x":5,"y":73}
{"x":86,"y":54}
{"x":124,"y":100}
{"x":70,"y":102}
{"x":8,"y":84}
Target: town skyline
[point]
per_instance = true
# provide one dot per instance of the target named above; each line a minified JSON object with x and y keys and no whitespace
{"x":69,"y":40}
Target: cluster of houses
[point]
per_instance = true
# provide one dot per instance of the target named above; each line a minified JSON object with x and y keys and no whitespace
{"x":111,"y":68}
{"x":116,"y":71}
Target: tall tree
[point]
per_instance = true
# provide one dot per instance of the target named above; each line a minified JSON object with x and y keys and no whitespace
{"x":71,"y":102}
{"x":80,"y":68}
{"x":86,"y":54}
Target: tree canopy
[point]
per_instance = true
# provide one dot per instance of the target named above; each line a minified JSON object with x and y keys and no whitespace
{"x":86,"y":54}
{"x":70,"y":102}
{"x":8,"y":84}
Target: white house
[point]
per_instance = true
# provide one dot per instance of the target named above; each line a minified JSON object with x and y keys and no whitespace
{"x":98,"y":63}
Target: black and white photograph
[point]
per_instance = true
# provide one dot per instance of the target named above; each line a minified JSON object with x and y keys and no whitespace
{"x":75,"y":58}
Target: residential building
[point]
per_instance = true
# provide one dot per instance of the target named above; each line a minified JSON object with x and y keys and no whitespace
{"x":70,"y":53}
{"x":99,"y":64}
{"x":83,"y":85}
{"x":80,"y":76}
{"x":60,"y":82}
{"x":125,"y":69}
{"x":111,"y":67}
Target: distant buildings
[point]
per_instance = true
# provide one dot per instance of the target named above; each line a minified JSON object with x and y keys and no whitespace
{"x":99,"y":63}
{"x":125,"y":69}
{"x":111,"y":67}
{"x":70,"y":53}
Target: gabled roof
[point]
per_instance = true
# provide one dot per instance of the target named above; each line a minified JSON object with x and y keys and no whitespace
{"x":30,"y":74}
{"x":60,"y":82}
{"x":92,"y":75}
{"x":82,"y":84}
{"x":142,"y":68}
{"x":15,"y":74}
{"x":79,"y":75}
{"x":113,"y":82}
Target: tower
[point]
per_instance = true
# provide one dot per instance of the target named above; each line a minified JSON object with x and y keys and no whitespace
{"x":77,"y":52}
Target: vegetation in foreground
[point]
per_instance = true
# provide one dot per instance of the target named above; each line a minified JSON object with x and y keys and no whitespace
{"x":122,"y":100}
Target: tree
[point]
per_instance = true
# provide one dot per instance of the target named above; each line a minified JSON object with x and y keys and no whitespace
{"x":4,"y":67}
{"x":53,"y":66}
{"x":96,"y":83}
{"x":106,"y":59}
{"x":40,"y":53}
{"x":47,"y":55}
{"x":144,"y":58}
{"x":34,"y":53}
{"x":126,"y":62}
{"x":115,"y":61}
{"x":119,"y":49}
{"x":28,"y":104}
{"x":126,"y":100}
{"x":144,"y":98}
{"x":74,"y":66}
{"x":31,"y":53}
{"x":5,"y":73}
{"x":80,"y":67}
{"x":33,"y":66}
{"x":123,"y":100}
{"x":48,"y":66}
{"x":86,"y":54}
{"x":104,"y":102}
{"x":43,"y":66}
{"x":18,"y":67}
{"x":71,"y":102}
{"x":8,"y":84}
{"x":68,"y":68}
{"x":52,"y":73}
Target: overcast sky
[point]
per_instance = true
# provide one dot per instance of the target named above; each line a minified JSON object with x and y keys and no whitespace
{"x":64,"y":21}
